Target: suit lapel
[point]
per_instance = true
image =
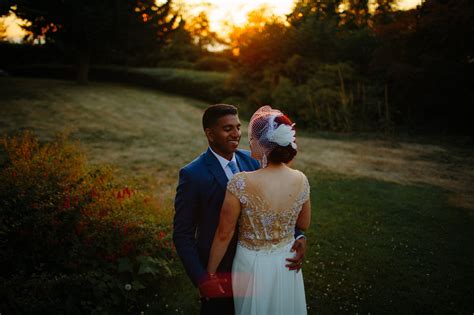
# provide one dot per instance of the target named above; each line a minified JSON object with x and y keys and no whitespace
{"x":244,"y":165}
{"x":241,"y":162}
{"x":216,"y":169}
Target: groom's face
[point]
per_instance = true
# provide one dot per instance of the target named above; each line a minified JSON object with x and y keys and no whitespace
{"x":224,"y":136}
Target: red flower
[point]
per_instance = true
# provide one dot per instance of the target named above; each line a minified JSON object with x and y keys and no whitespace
{"x":67,"y":203}
{"x":161,"y":235}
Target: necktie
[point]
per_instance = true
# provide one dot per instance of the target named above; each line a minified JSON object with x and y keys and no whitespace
{"x":233,"y":167}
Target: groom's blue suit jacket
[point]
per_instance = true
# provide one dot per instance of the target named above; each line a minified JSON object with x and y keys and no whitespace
{"x":199,"y":197}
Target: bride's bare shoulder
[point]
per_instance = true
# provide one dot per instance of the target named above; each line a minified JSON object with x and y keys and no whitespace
{"x":251,"y":174}
{"x":294,"y":171}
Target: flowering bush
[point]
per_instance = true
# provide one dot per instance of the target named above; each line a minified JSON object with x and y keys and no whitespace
{"x":75,"y":238}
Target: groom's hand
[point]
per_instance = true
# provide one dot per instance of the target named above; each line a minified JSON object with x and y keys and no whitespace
{"x":299,"y":246}
{"x":212,"y":287}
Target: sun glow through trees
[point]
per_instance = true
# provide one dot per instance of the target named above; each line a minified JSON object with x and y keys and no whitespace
{"x":223,"y":14}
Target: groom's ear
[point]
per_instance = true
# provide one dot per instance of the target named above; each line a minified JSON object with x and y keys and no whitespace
{"x":209,"y":134}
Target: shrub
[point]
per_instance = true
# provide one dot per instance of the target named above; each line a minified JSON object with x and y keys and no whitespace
{"x":213,"y":64}
{"x":75,"y":239}
{"x":333,"y":98}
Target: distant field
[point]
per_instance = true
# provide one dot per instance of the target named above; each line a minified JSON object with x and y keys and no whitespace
{"x":392,"y":223}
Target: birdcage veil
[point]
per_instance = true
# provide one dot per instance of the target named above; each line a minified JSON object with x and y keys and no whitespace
{"x":269,"y":133}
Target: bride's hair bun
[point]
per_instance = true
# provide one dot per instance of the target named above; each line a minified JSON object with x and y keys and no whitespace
{"x":282,"y":154}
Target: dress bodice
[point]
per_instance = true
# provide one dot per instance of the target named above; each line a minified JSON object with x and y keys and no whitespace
{"x":261,"y":227}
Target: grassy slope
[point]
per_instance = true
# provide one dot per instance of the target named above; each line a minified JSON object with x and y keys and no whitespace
{"x":374,"y":246}
{"x":204,"y":85}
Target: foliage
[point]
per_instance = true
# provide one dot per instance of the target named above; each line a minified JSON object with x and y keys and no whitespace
{"x":211,"y":63}
{"x":14,"y":54}
{"x":200,"y":31}
{"x":97,"y":28}
{"x":74,"y":238}
{"x":180,"y":47}
{"x":423,"y":55}
{"x":204,"y":85}
{"x":407,"y":68}
{"x":260,"y":43}
{"x":3,"y":30}
{"x":313,"y":69}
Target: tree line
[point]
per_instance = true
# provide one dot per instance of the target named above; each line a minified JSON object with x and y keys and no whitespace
{"x":347,"y":66}
{"x":340,"y":65}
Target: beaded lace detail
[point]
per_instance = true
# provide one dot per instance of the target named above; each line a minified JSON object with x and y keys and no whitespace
{"x":259,"y":226}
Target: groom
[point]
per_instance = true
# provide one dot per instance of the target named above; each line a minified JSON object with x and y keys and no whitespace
{"x":199,"y":197}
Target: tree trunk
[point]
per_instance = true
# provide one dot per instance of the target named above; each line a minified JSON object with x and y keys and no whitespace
{"x":83,"y":65}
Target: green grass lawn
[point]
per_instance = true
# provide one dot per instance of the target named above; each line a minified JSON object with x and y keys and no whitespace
{"x":374,"y":246}
{"x":385,"y":248}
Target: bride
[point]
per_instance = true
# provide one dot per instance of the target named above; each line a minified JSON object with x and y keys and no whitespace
{"x":267,"y":204}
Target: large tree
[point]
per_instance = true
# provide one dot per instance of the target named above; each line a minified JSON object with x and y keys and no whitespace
{"x":200,"y":30}
{"x":91,"y":28}
{"x":261,"y":42}
{"x":425,"y":56}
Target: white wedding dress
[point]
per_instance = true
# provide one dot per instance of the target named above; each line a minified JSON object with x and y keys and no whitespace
{"x":261,"y":282}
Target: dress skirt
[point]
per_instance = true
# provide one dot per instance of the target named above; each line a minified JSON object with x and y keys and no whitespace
{"x":263,"y":285}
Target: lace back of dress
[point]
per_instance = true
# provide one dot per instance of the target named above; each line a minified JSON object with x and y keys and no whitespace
{"x":275,"y":201}
{"x":261,"y":224}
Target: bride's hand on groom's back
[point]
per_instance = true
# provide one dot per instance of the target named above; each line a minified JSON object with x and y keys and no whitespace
{"x":299,"y":247}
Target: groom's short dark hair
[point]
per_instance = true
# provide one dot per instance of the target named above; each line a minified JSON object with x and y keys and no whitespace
{"x":214,"y":112}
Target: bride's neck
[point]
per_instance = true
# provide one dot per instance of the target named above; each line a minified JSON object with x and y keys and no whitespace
{"x":275,"y":165}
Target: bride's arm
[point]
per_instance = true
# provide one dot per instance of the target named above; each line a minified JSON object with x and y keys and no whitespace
{"x":228,"y":220}
{"x":304,"y":217}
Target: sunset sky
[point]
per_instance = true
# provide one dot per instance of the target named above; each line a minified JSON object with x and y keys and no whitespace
{"x":234,"y":12}
{"x":221,"y":13}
